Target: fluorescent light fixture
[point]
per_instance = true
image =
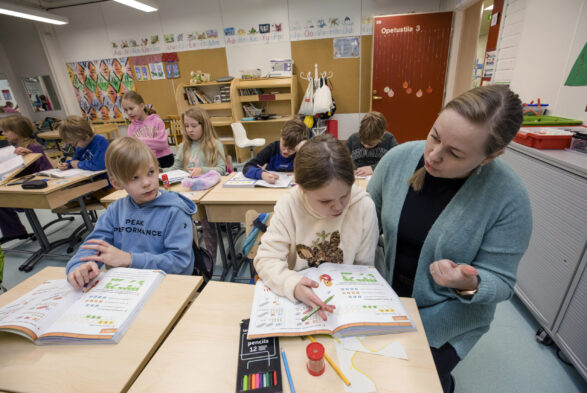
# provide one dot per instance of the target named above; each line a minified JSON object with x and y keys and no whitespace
{"x":143,"y":5}
{"x":32,"y":13}
{"x":488,"y":8}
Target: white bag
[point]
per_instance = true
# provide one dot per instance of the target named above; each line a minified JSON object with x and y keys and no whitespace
{"x":322,"y":98}
{"x":307,"y":106}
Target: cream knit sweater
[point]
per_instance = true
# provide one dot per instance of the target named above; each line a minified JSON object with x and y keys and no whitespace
{"x":298,"y":237}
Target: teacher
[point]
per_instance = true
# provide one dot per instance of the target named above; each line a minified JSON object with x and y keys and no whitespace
{"x":455,"y":221}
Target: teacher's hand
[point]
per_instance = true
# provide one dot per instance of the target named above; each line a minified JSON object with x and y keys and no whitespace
{"x":446,"y":273}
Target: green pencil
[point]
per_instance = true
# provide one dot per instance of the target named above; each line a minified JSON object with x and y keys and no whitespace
{"x":315,"y":310}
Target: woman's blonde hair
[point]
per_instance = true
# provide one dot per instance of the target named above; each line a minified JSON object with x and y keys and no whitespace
{"x":125,"y":156}
{"x":496,"y":107}
{"x":322,"y":159}
{"x":21,"y":126}
{"x":207,"y":141}
{"x":138,"y":99}
{"x":75,"y":128}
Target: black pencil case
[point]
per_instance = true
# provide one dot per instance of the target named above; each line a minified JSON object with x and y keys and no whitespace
{"x":34,"y":184}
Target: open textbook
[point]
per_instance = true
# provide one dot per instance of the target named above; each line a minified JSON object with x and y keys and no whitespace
{"x":240,"y":181}
{"x":9,"y":162}
{"x":365,"y":304}
{"x":68,"y":173}
{"x":175,"y":176}
{"x":56,"y":313}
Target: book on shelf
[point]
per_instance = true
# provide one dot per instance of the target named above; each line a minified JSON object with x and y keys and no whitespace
{"x":9,"y":161}
{"x":365,"y":305}
{"x":56,"y":313}
{"x":175,"y":176}
{"x":66,"y":174}
{"x":240,"y":181}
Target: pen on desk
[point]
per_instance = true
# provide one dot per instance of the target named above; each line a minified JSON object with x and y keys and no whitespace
{"x":286,"y":366}
{"x":334,"y":366}
{"x":315,"y":309}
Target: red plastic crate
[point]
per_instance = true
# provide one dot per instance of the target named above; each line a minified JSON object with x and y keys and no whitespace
{"x":542,"y":139}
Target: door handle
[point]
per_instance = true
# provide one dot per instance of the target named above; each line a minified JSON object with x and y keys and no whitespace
{"x":377,"y":98}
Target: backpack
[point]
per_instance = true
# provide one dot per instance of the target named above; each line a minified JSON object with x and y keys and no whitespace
{"x":203,"y":262}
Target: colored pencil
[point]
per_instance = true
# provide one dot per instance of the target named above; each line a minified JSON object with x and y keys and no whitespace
{"x":286,"y":366}
{"x":334,"y":366}
{"x":245,"y":383}
{"x":315,"y":310}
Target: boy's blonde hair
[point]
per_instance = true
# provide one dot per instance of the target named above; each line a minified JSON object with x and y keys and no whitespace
{"x":207,"y":140}
{"x":125,"y":156}
{"x":75,"y":128}
{"x":21,"y":126}
{"x":293,"y":132}
{"x":372,"y":128}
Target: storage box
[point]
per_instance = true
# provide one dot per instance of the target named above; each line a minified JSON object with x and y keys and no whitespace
{"x":579,"y":142}
{"x":544,"y":138}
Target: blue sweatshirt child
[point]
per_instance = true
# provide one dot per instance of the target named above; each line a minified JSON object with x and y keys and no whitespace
{"x":158,"y":234}
{"x":91,"y":157}
{"x":270,"y":155}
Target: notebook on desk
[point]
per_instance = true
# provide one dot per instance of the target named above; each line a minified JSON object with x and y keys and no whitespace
{"x":67,"y":173}
{"x":175,"y":176}
{"x":240,"y":181}
{"x":9,"y":162}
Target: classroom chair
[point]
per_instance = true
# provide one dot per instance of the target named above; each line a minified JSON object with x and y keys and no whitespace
{"x":174,"y":137}
{"x":255,"y":226}
{"x":241,"y":140}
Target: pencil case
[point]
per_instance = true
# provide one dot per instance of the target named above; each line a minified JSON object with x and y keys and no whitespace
{"x":34,"y":184}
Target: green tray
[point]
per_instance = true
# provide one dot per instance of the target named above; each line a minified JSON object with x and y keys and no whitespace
{"x":549,"y":121}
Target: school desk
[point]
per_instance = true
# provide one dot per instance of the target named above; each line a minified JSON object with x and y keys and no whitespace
{"x":27,"y":368}
{"x":28,"y":160}
{"x":200,"y":354}
{"x":57,"y":194}
{"x":110,"y":131}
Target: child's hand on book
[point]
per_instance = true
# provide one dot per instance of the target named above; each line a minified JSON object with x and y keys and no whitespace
{"x":62,"y":166}
{"x":74,"y":163}
{"x":364,"y":171}
{"x":269,"y":177}
{"x":197,"y":171}
{"x":21,"y":151}
{"x":106,"y":253}
{"x":83,"y":275}
{"x":446,"y":273}
{"x":304,"y":293}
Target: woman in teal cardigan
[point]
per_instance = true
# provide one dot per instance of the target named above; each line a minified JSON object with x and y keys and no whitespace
{"x":455,"y":221}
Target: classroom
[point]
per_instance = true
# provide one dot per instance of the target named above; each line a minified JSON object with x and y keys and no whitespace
{"x":242,"y":89}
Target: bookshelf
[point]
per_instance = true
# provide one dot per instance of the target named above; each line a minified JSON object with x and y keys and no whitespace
{"x":275,"y":96}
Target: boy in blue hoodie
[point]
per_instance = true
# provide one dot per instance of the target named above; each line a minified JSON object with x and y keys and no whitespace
{"x":148,"y":229}
{"x":90,"y":148}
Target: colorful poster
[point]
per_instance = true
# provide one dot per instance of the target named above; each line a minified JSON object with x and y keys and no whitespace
{"x":193,"y":40}
{"x":138,"y":46}
{"x":157,"y":71}
{"x":262,"y":33}
{"x":324,"y":27}
{"x":99,"y":86}
{"x":578,"y":74}
{"x":346,"y":47}
{"x":6,"y":94}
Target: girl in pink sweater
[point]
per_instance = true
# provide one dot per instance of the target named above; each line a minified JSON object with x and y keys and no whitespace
{"x":147,"y":126}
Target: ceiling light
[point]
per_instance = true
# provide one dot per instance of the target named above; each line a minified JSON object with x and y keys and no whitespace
{"x":488,"y":8}
{"x":32,"y":13}
{"x":143,"y":5}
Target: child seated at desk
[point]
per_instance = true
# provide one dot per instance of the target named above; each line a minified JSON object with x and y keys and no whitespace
{"x":147,"y":229}
{"x":370,"y":144}
{"x":19,"y":131}
{"x":279,"y":155}
{"x":90,"y":148}
{"x":325,"y":219}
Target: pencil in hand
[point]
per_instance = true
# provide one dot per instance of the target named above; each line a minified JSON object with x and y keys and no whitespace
{"x":316,"y":309}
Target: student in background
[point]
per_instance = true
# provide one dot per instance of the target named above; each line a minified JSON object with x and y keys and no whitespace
{"x":370,"y":143}
{"x":455,"y":221}
{"x":90,"y":148}
{"x":147,"y":126}
{"x":279,"y":155}
{"x":201,"y":152}
{"x":19,"y":131}
{"x":325,"y":219}
{"x":9,"y":107}
{"x":147,"y":229}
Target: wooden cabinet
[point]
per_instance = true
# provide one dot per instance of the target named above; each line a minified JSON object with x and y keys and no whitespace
{"x":276,"y":96}
{"x":206,"y":95}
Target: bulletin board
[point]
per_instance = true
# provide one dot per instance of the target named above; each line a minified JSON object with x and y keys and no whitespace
{"x":346,"y":71}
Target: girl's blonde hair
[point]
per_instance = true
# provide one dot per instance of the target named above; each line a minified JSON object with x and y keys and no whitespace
{"x":137,"y":99}
{"x":125,"y":156}
{"x":322,"y":159}
{"x":496,"y":107}
{"x":207,"y":141}
{"x":21,"y":126}
{"x":75,"y":128}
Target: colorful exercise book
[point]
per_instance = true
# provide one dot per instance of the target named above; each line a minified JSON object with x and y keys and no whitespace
{"x":240,"y":181}
{"x":56,"y":313}
{"x":365,"y":305}
{"x":9,"y":162}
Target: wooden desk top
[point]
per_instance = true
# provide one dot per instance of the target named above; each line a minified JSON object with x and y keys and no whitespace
{"x":195,"y":196}
{"x":26,"y":367}
{"x":57,"y":193}
{"x":200,"y":355}
{"x":28,"y":160}
{"x":49,"y":135}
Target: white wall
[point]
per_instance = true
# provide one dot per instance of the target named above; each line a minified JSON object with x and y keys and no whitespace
{"x":553,"y":35}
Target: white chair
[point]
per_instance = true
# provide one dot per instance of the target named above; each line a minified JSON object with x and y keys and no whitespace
{"x":241,"y":140}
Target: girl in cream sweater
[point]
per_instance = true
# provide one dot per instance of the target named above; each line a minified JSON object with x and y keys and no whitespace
{"x":325,"y":219}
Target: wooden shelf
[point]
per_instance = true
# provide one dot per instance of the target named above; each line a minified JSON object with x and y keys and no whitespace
{"x":255,"y":98}
{"x":281,"y":119}
{"x":208,"y":84}
{"x":214,"y":106}
{"x":226,"y":140}
{"x":265,"y":83}
{"x":219,"y":121}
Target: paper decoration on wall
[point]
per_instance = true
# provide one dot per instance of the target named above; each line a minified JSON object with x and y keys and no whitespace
{"x":157,"y":71}
{"x":6,"y":94}
{"x":141,"y":73}
{"x":346,"y":47}
{"x":172,"y":70}
{"x":262,"y":33}
{"x":578,"y":74}
{"x":99,"y":85}
{"x":137,"y":45}
{"x":324,"y":27}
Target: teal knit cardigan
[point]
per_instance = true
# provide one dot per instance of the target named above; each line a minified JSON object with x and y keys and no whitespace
{"x":487,"y":224}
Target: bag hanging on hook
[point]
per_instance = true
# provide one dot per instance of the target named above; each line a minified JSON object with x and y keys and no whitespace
{"x":322,"y":98}
{"x":307,"y":106}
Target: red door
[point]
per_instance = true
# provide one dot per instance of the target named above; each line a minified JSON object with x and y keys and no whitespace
{"x":410,"y":54}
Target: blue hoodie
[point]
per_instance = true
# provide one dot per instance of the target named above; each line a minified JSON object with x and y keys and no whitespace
{"x":91,"y":157}
{"x":158,"y":234}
